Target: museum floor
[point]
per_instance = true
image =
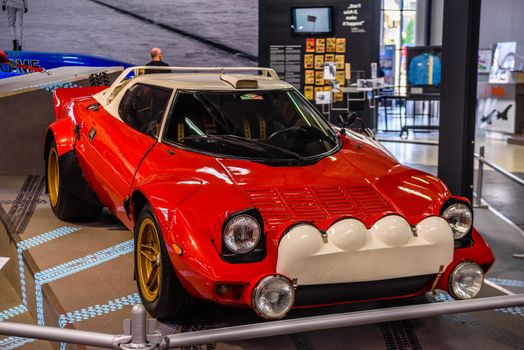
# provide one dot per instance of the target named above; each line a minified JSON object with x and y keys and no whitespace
{"x":85,"y":275}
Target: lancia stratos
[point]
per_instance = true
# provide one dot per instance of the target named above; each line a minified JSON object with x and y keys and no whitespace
{"x":239,"y":192}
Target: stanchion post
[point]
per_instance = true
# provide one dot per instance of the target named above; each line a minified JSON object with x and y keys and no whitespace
{"x":480,"y":175}
{"x":137,"y":327}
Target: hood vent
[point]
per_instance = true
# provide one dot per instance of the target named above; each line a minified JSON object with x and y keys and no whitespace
{"x":239,"y":82}
{"x":310,"y":203}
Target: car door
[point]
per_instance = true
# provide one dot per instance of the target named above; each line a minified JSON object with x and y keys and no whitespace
{"x":113,"y":146}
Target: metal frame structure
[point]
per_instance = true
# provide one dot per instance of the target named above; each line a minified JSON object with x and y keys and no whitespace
{"x":139,"y":333}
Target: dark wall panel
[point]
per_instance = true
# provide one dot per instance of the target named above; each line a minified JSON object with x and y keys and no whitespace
{"x":362,"y":42}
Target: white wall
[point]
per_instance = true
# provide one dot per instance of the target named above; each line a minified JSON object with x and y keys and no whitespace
{"x":500,"y":20}
{"x":437,"y":14}
{"x":420,"y":35}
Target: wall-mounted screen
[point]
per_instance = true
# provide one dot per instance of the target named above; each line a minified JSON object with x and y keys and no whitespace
{"x":312,"y":20}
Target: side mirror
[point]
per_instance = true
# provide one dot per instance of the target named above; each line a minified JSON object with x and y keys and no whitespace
{"x":346,"y":119}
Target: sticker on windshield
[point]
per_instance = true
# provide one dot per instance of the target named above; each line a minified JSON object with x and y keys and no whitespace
{"x":249,"y":97}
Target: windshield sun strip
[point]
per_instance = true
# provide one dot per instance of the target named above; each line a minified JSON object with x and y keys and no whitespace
{"x":297,"y":108}
{"x":322,"y":128}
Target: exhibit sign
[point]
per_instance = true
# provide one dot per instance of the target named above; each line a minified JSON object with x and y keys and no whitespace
{"x":353,"y":18}
{"x":324,"y":61}
{"x":323,"y":97}
{"x":503,"y":62}
{"x":387,"y":64}
{"x":496,"y":107}
{"x":286,"y":61}
{"x":484,"y":62}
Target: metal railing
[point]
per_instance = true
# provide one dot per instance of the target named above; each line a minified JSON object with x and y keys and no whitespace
{"x":480,"y":175}
{"x":477,"y":202}
{"x":139,"y":333}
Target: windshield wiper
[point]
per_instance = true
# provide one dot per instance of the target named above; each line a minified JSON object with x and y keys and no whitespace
{"x":240,"y":143}
{"x":253,"y":145}
{"x":265,"y":145}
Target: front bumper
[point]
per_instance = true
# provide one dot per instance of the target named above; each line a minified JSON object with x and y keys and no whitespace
{"x":412,"y":266}
{"x":348,"y":252}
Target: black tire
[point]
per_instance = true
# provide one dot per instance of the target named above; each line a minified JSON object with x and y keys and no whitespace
{"x":65,"y":205}
{"x":170,"y":300}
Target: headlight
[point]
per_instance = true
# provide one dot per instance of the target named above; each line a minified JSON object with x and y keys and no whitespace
{"x":241,"y":234}
{"x":466,"y":280}
{"x":460,"y":218}
{"x":273,"y":297}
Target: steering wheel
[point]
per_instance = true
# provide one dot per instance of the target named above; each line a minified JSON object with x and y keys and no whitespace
{"x":292,"y":131}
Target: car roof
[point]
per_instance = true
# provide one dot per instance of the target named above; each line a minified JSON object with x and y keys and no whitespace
{"x":207,"y":81}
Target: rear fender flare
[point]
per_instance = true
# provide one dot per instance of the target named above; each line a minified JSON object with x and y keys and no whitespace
{"x":62,"y":132}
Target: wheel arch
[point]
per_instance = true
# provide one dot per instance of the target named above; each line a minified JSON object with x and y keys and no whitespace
{"x":137,"y":202}
{"x":63,"y":133}
{"x":49,"y":138}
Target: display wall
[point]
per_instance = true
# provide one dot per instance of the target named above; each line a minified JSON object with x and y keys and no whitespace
{"x":298,"y":55}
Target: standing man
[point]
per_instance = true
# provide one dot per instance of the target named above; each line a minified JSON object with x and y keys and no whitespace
{"x":156,"y":61}
{"x":15,"y":14}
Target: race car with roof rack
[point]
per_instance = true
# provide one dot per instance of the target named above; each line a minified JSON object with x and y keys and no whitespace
{"x":239,"y":192}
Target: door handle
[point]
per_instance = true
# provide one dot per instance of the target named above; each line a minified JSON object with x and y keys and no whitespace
{"x":92,"y":134}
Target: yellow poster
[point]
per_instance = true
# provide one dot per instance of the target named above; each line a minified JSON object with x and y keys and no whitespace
{"x":327,"y":88}
{"x":308,"y":92}
{"x":319,"y":61}
{"x":331,"y":44}
{"x":321,"y":45}
{"x":319,"y":77}
{"x":340,"y":77}
{"x":339,"y":96}
{"x":318,"y":89}
{"x":339,"y":60}
{"x":310,"y":45}
{"x":330,"y":58}
{"x":309,"y":77}
{"x":341,"y":45}
{"x":308,"y":61}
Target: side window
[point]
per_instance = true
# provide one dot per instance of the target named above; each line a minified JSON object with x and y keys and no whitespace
{"x":143,"y":107}
{"x":188,"y":118}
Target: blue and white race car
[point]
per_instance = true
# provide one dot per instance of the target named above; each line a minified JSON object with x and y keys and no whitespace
{"x":14,"y":63}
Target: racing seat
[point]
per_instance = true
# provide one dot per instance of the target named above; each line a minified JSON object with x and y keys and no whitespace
{"x":255,"y":127}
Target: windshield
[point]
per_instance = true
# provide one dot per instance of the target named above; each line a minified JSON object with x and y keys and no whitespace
{"x":258,"y":125}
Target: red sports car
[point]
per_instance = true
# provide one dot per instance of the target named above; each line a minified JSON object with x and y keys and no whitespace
{"x":239,"y":192}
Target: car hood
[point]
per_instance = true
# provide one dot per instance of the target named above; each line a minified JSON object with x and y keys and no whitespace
{"x":357,"y":181}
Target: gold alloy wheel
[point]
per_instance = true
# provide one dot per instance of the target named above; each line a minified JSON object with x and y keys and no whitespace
{"x":53,"y":176}
{"x":149,"y":263}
